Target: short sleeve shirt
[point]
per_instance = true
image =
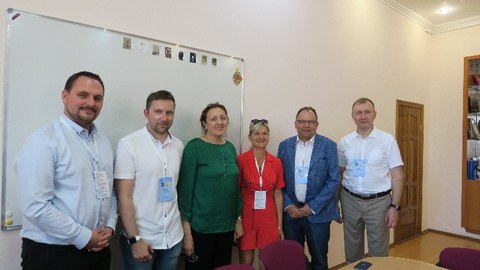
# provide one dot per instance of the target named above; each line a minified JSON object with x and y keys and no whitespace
{"x":378,"y":152}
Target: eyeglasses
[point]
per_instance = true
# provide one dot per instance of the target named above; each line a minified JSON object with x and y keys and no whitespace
{"x":256,"y":121}
{"x":305,"y":122}
{"x":192,"y":258}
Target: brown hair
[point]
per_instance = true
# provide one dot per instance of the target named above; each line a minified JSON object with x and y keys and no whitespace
{"x":203,"y":116}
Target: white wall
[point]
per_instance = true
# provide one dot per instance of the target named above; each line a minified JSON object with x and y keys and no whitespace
{"x":443,"y":160}
{"x":311,"y":52}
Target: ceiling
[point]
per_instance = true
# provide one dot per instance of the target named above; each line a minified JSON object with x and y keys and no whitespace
{"x":464,"y":13}
{"x":428,"y":9}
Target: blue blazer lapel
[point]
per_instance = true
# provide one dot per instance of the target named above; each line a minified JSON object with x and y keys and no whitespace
{"x":291,"y":154}
{"x":316,"y":151}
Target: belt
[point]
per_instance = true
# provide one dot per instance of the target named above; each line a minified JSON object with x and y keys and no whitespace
{"x":35,"y":245}
{"x":369,"y":196}
{"x":300,"y":204}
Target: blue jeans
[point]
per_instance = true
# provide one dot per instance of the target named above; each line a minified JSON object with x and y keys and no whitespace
{"x":317,"y":235}
{"x":162,"y":259}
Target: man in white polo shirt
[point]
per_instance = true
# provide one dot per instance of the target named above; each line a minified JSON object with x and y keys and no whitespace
{"x":372,"y":171}
{"x":146,"y":175}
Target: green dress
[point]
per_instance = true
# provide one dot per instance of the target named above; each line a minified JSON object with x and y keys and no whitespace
{"x":208,"y":190}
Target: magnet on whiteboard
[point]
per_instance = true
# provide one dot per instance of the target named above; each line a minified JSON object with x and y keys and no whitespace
{"x":8,"y":221}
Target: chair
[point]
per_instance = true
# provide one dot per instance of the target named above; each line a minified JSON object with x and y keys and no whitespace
{"x":454,"y":258}
{"x":283,"y":255}
{"x":235,"y":267}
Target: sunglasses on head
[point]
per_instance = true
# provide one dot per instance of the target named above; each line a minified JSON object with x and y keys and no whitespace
{"x":256,"y":121}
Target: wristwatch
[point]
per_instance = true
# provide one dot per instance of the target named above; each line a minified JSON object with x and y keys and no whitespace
{"x":395,"y":206}
{"x":133,"y":240}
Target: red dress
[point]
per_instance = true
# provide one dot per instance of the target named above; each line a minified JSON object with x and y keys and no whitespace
{"x":260,"y":225}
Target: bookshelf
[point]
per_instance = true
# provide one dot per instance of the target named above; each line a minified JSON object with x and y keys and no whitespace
{"x":471,"y":145}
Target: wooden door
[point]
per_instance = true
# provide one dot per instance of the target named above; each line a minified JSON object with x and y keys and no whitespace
{"x":409,"y":133}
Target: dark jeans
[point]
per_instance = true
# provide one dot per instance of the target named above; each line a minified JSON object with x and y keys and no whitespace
{"x":317,"y":235}
{"x":213,"y":250}
{"x":162,"y":259}
{"x":40,"y":256}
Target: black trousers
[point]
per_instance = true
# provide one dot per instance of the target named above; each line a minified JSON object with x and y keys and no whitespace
{"x":213,"y":250}
{"x":40,"y":256}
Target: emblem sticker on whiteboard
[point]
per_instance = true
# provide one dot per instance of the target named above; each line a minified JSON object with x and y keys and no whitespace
{"x":155,"y":49}
{"x":193,"y":57}
{"x":237,"y":77}
{"x":127,"y":43}
{"x":168,"y":52}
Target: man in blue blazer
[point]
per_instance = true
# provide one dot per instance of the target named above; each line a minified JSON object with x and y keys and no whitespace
{"x":311,"y":172}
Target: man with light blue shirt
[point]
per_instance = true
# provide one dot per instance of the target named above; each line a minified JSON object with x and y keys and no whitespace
{"x":310,"y":165}
{"x":146,"y":177}
{"x":65,"y":177}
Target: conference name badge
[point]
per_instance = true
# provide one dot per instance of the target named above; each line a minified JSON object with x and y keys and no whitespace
{"x":359,"y":167}
{"x":101,"y":184}
{"x":165,"y":189}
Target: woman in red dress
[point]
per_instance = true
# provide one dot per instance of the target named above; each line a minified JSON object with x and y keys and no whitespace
{"x":261,"y":183}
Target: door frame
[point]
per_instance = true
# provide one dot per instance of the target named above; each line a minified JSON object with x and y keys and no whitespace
{"x":398,"y":135}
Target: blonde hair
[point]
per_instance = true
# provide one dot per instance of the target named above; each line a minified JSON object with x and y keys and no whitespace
{"x":257,"y":126}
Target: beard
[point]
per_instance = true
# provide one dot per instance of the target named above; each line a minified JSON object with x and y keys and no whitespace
{"x":82,"y":118}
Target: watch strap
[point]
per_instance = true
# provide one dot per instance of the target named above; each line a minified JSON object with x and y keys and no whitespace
{"x":395,"y":206}
{"x":134,"y":239}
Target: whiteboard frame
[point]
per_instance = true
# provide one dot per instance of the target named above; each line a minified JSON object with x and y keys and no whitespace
{"x":6,"y":166}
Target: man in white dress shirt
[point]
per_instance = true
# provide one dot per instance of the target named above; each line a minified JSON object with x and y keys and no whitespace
{"x":146,"y":176}
{"x":372,"y":171}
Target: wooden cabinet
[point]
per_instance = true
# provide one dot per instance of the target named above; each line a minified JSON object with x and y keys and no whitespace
{"x":471,"y":145}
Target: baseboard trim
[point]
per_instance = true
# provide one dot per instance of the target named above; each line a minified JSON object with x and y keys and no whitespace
{"x":452,"y":235}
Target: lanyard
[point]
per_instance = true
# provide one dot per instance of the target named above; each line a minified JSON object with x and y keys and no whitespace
{"x":94,"y":158}
{"x":306,"y":150}
{"x":103,"y":211}
{"x":161,"y":154}
{"x":363,"y":145}
{"x":260,"y":170}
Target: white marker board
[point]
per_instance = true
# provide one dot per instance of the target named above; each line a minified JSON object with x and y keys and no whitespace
{"x":42,"y":52}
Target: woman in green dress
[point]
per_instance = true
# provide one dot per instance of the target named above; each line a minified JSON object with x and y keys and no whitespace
{"x":209,"y":198}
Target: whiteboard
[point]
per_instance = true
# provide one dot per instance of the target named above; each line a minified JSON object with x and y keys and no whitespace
{"x":42,"y":52}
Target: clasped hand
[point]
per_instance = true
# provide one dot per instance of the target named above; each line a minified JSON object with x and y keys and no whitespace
{"x":99,"y":239}
{"x":295,"y":212}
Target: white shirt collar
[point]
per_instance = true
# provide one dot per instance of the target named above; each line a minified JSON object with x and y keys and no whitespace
{"x":373,"y":134}
{"x":311,"y":141}
{"x":77,"y":128}
{"x":167,"y":141}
